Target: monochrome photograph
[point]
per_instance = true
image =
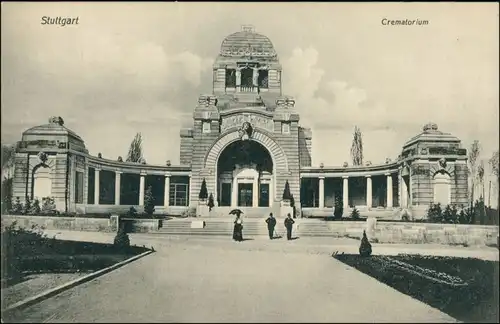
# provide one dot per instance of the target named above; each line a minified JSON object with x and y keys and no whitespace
{"x":260,"y":162}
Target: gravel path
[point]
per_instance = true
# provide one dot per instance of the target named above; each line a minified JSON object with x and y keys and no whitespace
{"x":214,"y":280}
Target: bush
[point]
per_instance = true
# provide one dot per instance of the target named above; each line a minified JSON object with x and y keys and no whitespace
{"x":210,"y":203}
{"x":132,"y":212}
{"x":365,"y":248}
{"x":203,"y":191}
{"x":355,"y":213}
{"x":450,"y":215}
{"x":35,"y":207}
{"x":27,"y":206}
{"x":435,"y":213}
{"x":479,"y":212}
{"x":17,"y":208}
{"x":48,"y":206}
{"x":149,"y":202}
{"x":463,"y":216}
{"x":338,"y":210}
{"x":122,"y":240}
{"x":16,"y":243}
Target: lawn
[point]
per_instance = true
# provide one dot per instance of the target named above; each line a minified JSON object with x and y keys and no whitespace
{"x":464,"y":288}
{"x":33,"y":263}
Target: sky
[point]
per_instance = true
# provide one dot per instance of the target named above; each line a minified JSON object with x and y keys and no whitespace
{"x":140,"y":67}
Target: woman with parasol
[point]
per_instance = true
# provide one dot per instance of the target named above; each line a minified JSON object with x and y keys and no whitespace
{"x":238,"y":225}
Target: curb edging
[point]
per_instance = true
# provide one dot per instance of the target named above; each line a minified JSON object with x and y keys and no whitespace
{"x":54,"y":291}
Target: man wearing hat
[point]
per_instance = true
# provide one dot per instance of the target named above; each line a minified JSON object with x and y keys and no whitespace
{"x":271,"y":223}
{"x":289,"y":225}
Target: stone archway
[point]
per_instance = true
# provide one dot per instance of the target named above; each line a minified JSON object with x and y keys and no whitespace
{"x":279,"y":159}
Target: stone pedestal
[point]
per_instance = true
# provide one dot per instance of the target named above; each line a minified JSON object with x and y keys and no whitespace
{"x":114,"y":223}
{"x":198,"y":224}
{"x":202,"y":210}
{"x":371,"y":225}
{"x":285,"y":208}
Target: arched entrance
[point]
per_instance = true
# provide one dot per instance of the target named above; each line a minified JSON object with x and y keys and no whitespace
{"x":245,"y":175}
{"x":279,"y":160}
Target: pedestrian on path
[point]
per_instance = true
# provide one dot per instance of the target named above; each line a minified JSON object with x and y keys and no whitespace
{"x":238,"y":229}
{"x":289,"y":225}
{"x":271,"y":223}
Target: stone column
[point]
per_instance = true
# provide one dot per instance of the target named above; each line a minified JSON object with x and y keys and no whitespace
{"x":117,"y":187}
{"x":190,"y":189}
{"x":238,"y":79}
{"x":141,"y":189}
{"x":271,"y":191}
{"x":404,"y":194}
{"x":369,"y":191}
{"x":166,"y":195}
{"x":234,"y":193}
{"x":346,"y":192}
{"x":255,"y":192}
{"x":321,"y":192}
{"x":86,"y":185}
{"x":96,"y":187}
{"x":389,"y":190}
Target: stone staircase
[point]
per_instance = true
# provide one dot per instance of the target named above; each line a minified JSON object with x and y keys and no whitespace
{"x":218,"y":227}
{"x":248,"y":212}
{"x":255,"y":227}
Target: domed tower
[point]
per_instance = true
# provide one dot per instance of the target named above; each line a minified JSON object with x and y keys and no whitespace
{"x":50,"y":162}
{"x":246,"y":142}
{"x":434,"y":169}
{"x":247,"y":71}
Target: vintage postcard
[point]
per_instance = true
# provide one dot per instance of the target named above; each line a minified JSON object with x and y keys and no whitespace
{"x":249,"y":162}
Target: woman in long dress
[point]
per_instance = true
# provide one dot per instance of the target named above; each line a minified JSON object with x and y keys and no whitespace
{"x":238,"y":229}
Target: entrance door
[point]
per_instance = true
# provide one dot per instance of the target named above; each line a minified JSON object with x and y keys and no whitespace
{"x":245,"y":194}
{"x":225,"y":194}
{"x":264,"y":195}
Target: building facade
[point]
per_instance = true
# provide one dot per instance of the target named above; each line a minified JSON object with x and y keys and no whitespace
{"x":246,"y":143}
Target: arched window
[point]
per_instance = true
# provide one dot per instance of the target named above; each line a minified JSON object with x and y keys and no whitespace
{"x":42,"y":183}
{"x":442,"y":189}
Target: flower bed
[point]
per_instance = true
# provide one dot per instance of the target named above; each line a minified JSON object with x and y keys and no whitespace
{"x":464,"y":288}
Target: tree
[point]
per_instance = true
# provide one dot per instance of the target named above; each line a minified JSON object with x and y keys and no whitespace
{"x":135,"y":150}
{"x":494,"y":168}
{"x":357,"y":147}
{"x":475,"y":150}
{"x":203,"y":191}
{"x":7,"y":195}
{"x":480,"y":177}
{"x":355,"y":213}
{"x":287,"y":195}
{"x":149,"y":202}
{"x":122,"y":240}
{"x":365,"y":248}
{"x":8,"y":157}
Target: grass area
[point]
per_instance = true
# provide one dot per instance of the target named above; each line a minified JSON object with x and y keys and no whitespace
{"x":464,"y":288}
{"x":28,"y":255}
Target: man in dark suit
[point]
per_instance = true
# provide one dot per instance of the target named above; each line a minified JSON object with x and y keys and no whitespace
{"x":271,"y":223}
{"x":289,"y":225}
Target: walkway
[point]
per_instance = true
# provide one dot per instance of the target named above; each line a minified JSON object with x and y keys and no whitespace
{"x":214,"y":280}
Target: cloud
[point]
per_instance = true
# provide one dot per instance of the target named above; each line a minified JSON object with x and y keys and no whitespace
{"x":134,"y":67}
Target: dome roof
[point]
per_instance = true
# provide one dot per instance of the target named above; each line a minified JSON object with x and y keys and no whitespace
{"x":247,"y":43}
{"x":54,"y":127}
{"x":431,"y":133}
